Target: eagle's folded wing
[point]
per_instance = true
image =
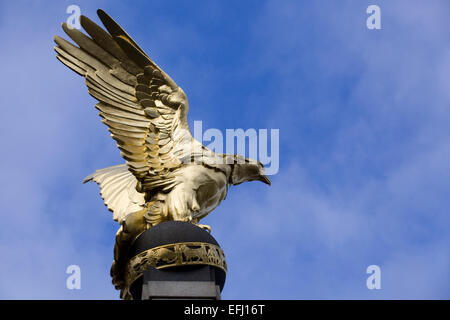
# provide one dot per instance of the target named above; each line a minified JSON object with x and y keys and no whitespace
{"x":144,"y":109}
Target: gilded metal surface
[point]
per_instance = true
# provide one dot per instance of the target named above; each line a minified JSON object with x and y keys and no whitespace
{"x":167,"y":174}
{"x":174,"y":255}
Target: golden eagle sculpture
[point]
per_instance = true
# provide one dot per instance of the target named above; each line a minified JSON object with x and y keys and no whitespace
{"x":167,"y":175}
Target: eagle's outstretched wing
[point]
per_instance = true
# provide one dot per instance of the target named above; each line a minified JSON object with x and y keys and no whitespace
{"x":118,"y":190}
{"x":144,"y":109}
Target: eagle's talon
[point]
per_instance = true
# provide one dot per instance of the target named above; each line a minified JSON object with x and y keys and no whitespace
{"x":204,"y":226}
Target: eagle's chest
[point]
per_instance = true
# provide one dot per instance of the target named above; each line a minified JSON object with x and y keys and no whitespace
{"x":208,"y":187}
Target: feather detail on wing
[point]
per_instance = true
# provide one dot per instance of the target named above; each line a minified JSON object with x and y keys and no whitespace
{"x":118,"y":190}
{"x":144,"y":109}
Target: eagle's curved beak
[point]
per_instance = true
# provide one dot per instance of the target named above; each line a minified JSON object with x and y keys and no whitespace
{"x":263,"y":178}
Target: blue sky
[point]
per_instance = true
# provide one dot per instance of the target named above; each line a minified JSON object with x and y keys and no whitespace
{"x":364,"y":144}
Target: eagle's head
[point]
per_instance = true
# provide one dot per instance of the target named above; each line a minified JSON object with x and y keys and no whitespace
{"x":250,"y":170}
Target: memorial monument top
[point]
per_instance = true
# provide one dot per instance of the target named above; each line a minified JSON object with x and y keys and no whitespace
{"x":167,"y":175}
